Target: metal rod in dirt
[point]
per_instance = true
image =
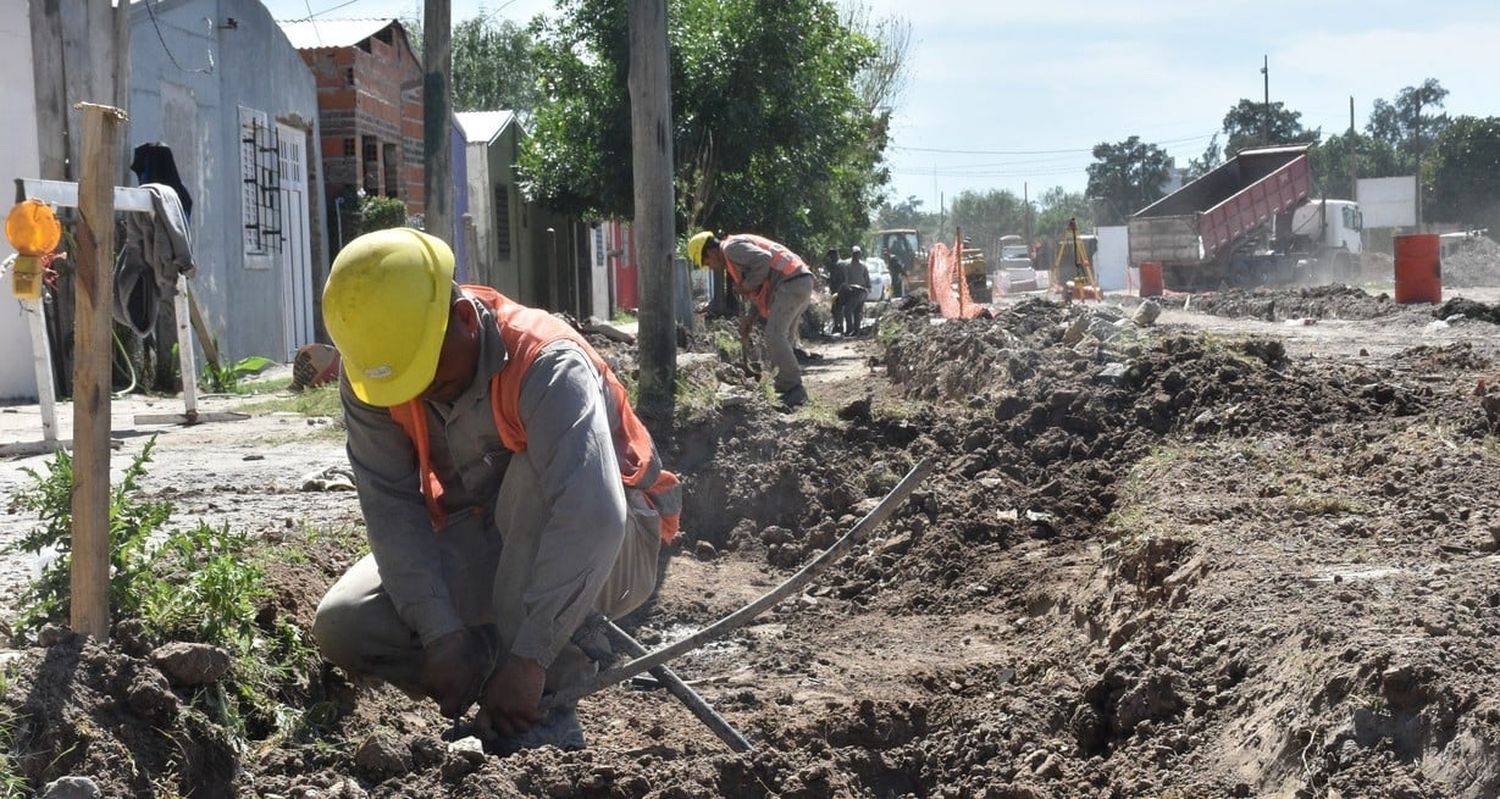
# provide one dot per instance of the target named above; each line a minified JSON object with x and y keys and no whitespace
{"x":684,"y":692}
{"x":740,"y":617}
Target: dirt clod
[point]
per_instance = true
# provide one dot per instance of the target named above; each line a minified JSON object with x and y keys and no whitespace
{"x":70,"y":788}
{"x":189,"y":665}
{"x":381,"y":755}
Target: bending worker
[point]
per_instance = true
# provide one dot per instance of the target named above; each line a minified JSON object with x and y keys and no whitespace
{"x":780,"y":285}
{"x":508,"y":491}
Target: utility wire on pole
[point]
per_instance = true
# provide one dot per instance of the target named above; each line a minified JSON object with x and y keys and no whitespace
{"x":437,"y":133}
{"x":651,"y":159}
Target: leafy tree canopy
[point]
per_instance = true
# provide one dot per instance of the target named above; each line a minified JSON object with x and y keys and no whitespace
{"x":1410,"y":121}
{"x":769,"y":132}
{"x":1127,"y":177}
{"x":1247,"y":125}
{"x":493,"y":66}
{"x":1462,"y":178}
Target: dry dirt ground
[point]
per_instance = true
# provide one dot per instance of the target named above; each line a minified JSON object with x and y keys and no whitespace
{"x":1234,"y":553}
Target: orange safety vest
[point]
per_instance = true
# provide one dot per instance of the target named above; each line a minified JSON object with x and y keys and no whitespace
{"x":526,"y":333}
{"x":783,"y":260}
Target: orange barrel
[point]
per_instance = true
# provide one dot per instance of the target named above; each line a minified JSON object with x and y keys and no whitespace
{"x":1419,"y":269}
{"x":1151,"y":282}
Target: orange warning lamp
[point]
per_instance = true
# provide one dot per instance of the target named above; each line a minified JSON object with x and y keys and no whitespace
{"x":32,"y":228}
{"x":34,"y":231}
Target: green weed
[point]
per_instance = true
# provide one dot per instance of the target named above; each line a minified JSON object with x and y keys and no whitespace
{"x":320,"y":401}
{"x":12,"y":784}
{"x":132,"y":521}
{"x":696,"y":395}
{"x":218,"y":379}
{"x":201,"y":584}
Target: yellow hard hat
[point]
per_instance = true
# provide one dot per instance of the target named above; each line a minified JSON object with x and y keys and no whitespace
{"x":386,"y":306}
{"x":695,"y":247}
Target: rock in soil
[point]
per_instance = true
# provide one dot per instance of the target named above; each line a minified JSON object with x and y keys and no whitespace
{"x":382,"y":755}
{"x":190,"y":665}
{"x":151,"y":698}
{"x":70,"y":788}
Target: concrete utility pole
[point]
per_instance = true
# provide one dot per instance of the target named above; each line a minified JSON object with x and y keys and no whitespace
{"x":1265,"y":126}
{"x":103,"y":126}
{"x":651,"y":159}
{"x":437,"y":105}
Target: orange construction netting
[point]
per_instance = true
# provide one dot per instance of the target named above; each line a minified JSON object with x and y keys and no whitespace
{"x":946,"y":285}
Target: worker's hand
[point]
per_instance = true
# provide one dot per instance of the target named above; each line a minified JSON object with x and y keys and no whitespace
{"x":512,"y":702}
{"x":454,"y":668}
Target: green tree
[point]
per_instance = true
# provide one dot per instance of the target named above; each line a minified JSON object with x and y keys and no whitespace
{"x":770,"y":134}
{"x":1246,"y":126}
{"x":983,"y":217}
{"x":1333,"y":159}
{"x":1056,"y":206}
{"x":1462,"y":178}
{"x":1213,"y":156}
{"x":1127,"y":177}
{"x":493,"y":67}
{"x":1409,"y":122}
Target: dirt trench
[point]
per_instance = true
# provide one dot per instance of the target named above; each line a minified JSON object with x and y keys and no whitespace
{"x":1151,"y":562}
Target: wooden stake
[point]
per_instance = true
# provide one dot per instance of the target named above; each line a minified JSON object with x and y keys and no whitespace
{"x":651,"y":147}
{"x":102,"y":127}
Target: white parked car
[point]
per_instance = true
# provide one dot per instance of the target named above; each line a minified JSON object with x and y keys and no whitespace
{"x":880,"y":279}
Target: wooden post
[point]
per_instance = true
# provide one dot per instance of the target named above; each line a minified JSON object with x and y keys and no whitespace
{"x":437,"y":139}
{"x":102,"y":126}
{"x":651,"y":145}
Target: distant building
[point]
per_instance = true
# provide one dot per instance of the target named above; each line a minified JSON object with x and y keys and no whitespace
{"x":218,"y":82}
{"x":370,"y":111}
{"x":533,"y":255}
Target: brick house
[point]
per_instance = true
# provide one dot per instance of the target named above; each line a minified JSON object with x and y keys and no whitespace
{"x":369,"y":111}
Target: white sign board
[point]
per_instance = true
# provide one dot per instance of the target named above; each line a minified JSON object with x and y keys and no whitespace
{"x":1388,"y":202}
{"x":1112,"y":258}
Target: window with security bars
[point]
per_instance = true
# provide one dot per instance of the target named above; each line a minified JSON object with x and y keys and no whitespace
{"x":502,"y":222}
{"x":260,"y":183}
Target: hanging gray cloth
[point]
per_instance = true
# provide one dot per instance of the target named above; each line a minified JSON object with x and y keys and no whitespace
{"x":157,"y":249}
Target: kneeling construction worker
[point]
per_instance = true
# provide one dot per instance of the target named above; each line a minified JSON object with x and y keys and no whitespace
{"x":507,"y":486}
{"x":779,"y":284}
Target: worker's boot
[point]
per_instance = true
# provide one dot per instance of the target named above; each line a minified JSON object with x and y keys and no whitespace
{"x":793,"y":398}
{"x":560,"y":728}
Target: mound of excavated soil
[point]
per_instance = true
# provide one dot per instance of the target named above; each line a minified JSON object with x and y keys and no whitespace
{"x":1273,"y":305}
{"x":1465,"y":308}
{"x":1476,"y":263}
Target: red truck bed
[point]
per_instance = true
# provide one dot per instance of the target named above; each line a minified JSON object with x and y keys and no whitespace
{"x":1191,"y":225}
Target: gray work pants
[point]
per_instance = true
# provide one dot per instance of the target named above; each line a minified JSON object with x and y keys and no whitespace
{"x":486,"y":565}
{"x":788,"y":301}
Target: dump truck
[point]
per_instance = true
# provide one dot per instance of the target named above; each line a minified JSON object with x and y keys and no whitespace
{"x":1250,"y":222}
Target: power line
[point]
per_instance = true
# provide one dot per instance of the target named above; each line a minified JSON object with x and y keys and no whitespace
{"x":316,"y":33}
{"x":151,"y":12}
{"x":1185,"y":140}
{"x":311,"y":14}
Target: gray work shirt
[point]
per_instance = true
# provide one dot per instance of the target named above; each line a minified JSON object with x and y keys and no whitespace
{"x":564,"y":409}
{"x":753,"y":262}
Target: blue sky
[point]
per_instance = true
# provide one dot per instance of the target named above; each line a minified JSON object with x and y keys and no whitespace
{"x":1017,"y":81}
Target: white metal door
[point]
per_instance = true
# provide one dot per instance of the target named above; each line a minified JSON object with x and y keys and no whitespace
{"x":296,"y":250}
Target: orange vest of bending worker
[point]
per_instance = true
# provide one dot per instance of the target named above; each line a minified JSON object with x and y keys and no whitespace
{"x":783,"y":260}
{"x":527,"y":332}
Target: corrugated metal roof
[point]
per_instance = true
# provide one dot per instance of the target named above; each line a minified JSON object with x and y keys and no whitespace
{"x":311,"y":34}
{"x":483,"y":126}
